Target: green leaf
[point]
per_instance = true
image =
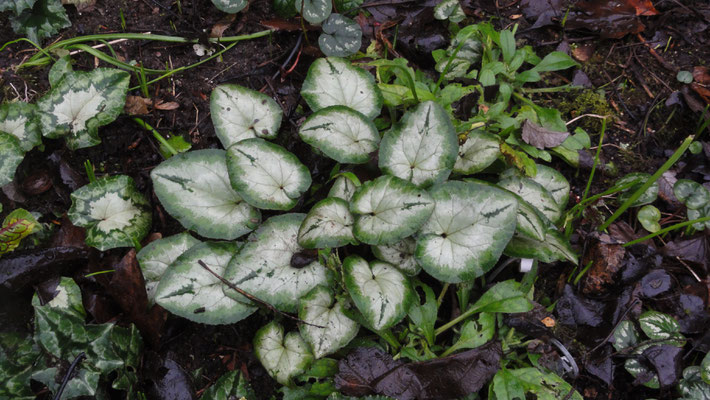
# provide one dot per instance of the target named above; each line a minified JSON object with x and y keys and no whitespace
{"x":506,"y":386}
{"x":422,"y":148}
{"x":190,"y":291}
{"x":314,"y":11}
{"x":694,"y":195}
{"x":649,"y":196}
{"x":328,"y":224}
{"x":283,"y":357}
{"x":342,"y":133}
{"x":232,"y":385}
{"x":504,"y":297}
{"x":230,"y":6}
{"x":468,"y":54}
{"x":423,"y":316}
{"x":545,"y":385}
{"x":19,"y":357}
{"x":702,"y":212}
{"x":381,"y":293}
{"x":319,"y":307}
{"x":11,"y":155}
{"x":113,"y":212}
{"x":658,"y":326}
{"x":239,"y":113}
{"x":341,"y":36}
{"x":684,"y":77}
{"x":467,"y":232}
{"x":59,"y":69}
{"x":272,"y":267}
{"x":194,"y":188}
{"x":625,"y":335}
{"x":81,"y":103}
{"x":479,"y":151}
{"x":389,"y":209}
{"x":400,"y":254}
{"x":507,"y":45}
{"x":343,"y":6}
{"x":155,"y":258}
{"x":21,"y":120}
{"x":635,"y":368}
{"x":555,"y":183}
{"x":475,"y":333}
{"x":554,"y":248}
{"x":177,"y":143}
{"x":449,"y":9}
{"x":285,"y":8}
{"x":16,"y":5}
{"x":266,"y":175}
{"x":705,"y":368}
{"x":534,"y":193}
{"x":694,"y":386}
{"x":334,"y":81}
{"x":17,"y":225}
{"x":555,"y":61}
{"x":44,"y":19}
{"x":649,"y":216}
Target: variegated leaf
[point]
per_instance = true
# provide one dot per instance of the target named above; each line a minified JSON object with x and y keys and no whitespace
{"x":334,"y":81}
{"x":341,"y":36}
{"x":194,"y":188}
{"x":342,"y":133}
{"x":658,"y":326}
{"x":266,"y":175}
{"x":479,"y":151}
{"x":533,"y":193}
{"x":230,"y":6}
{"x":190,"y":291}
{"x":555,"y":183}
{"x":647,"y":197}
{"x":388,"y":209}
{"x":11,"y":155}
{"x":319,"y":308}
{"x":314,"y":11}
{"x":239,"y":113}
{"x":270,"y":266}
{"x":379,"y":290}
{"x":328,"y":224}
{"x":554,"y":248}
{"x":422,"y":148}
{"x":113,"y":212}
{"x":467,"y":232}
{"x":155,"y":258}
{"x":21,"y":120}
{"x":81,"y":103}
{"x":400,"y":254}
{"x":343,"y":188}
{"x":283,"y":357}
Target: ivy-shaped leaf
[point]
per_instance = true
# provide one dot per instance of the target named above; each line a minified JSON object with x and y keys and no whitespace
{"x":341,"y":36}
{"x":20,"y":120}
{"x":422,"y":148}
{"x":342,"y":133}
{"x":113,"y":212}
{"x":328,"y":224}
{"x":230,"y":6}
{"x":11,"y":155}
{"x":314,"y":11}
{"x":266,"y":175}
{"x":44,"y":19}
{"x":16,"y":5}
{"x":239,"y":113}
{"x":283,"y":357}
{"x":190,"y":291}
{"x":81,"y":103}
{"x":319,"y":308}
{"x":334,"y":81}
{"x":194,"y":188}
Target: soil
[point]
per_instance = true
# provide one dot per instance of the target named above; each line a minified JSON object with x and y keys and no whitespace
{"x":653,"y":112}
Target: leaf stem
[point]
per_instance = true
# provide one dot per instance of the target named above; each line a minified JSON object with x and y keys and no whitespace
{"x":156,"y":135}
{"x":456,"y":320}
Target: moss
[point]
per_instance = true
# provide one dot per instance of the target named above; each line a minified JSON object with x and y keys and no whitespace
{"x":587,"y":101}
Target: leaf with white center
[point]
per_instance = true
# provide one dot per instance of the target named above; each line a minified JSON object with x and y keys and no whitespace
{"x":379,"y":290}
{"x":334,"y":81}
{"x":533,"y":193}
{"x":328,"y":224}
{"x":11,"y":155}
{"x":190,"y":291}
{"x":273,"y":267}
{"x":81,"y":103}
{"x":555,"y":183}
{"x":690,"y":193}
{"x":625,"y":335}
{"x":314,"y":11}
{"x":467,"y":232}
{"x":449,"y":9}
{"x":319,"y":308}
{"x":239,"y":113}
{"x":113,"y":212}
{"x":554,"y":248}
{"x":21,"y":120}
{"x":400,"y":254}
{"x":388,"y":209}
{"x":422,"y":148}
{"x":266,"y":175}
{"x":194,"y":188}
{"x":658,"y":326}
{"x":230,"y":6}
{"x":156,"y":257}
{"x":342,"y":133}
{"x":530,"y":221}
{"x":479,"y":151}
{"x":343,"y":188}
{"x":283,"y":357}
{"x":640,"y":178}
{"x":341,"y":36}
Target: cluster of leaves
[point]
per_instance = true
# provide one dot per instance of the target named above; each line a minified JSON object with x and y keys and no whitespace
{"x":61,"y":335}
{"x":37,"y":19}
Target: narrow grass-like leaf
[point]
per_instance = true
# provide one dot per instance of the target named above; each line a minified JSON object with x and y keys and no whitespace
{"x":328,"y":224}
{"x":319,"y":308}
{"x":155,"y":258}
{"x":239,"y":113}
{"x":342,"y":133}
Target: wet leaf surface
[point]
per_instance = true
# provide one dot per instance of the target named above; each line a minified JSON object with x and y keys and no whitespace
{"x":666,"y":360}
{"x":574,"y":309}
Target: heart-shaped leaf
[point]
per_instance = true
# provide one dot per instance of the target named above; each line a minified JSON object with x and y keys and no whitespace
{"x":284,"y":357}
{"x":319,"y":307}
{"x":273,"y":267}
{"x":194,"y":188}
{"x":266,"y":175}
{"x":81,"y":103}
{"x":399,"y":254}
{"x":690,"y":193}
{"x":649,"y":196}
{"x":422,"y":148}
{"x":379,"y":290}
{"x":702,"y":212}
{"x":695,"y":384}
{"x":467,"y":232}
{"x":21,"y":120}
{"x":230,"y":6}
{"x":341,"y":36}
{"x":334,"y":81}
{"x":344,"y":187}
{"x":554,"y":248}
{"x":156,"y":257}
{"x":388,"y":209}
{"x":342,"y":133}
{"x":239,"y":113}
{"x":555,"y":183}
{"x":533,"y":193}
{"x":190,"y":291}
{"x":314,"y":11}
{"x":11,"y":155}
{"x":649,"y":216}
{"x":449,"y":9}
{"x":44,"y":19}
{"x":328,"y":224}
{"x":113,"y":212}
{"x":625,"y":335}
{"x":479,"y":151}
{"x":659,"y":326}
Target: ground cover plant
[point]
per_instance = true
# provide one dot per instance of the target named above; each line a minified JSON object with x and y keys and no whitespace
{"x":415,"y":208}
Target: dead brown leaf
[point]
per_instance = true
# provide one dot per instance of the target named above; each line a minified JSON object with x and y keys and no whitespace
{"x":222,"y":25}
{"x":136,"y":105}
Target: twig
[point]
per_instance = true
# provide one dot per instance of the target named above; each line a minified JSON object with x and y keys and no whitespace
{"x":73,"y":365}
{"x":254,"y":298}
{"x":616,"y":325}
